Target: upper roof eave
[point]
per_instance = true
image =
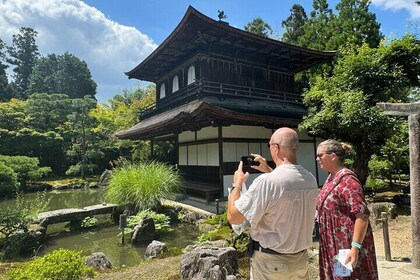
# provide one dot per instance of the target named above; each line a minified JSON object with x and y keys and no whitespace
{"x":191,"y":12}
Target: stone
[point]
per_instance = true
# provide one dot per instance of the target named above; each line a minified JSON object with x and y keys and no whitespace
{"x":378,"y":207}
{"x":209,"y":262}
{"x":104,"y":179}
{"x":155,"y":248}
{"x":98,"y":261}
{"x":144,"y":231}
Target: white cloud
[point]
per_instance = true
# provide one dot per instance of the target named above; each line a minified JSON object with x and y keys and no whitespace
{"x":394,"y":5}
{"x":109,"y":48}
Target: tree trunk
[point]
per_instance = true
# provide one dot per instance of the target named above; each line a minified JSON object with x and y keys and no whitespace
{"x":360,"y":164}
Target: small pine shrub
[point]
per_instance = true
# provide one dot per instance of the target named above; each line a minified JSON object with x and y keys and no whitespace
{"x":375,"y":184}
{"x":59,"y":265}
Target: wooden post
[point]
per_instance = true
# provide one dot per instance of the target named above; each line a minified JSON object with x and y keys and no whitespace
{"x":384,"y":216}
{"x":414,"y":143}
{"x":412,"y":110}
{"x":123,"y":224}
{"x":217,"y":206}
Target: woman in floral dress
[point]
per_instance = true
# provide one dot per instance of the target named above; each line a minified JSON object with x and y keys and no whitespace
{"x":343,"y":217}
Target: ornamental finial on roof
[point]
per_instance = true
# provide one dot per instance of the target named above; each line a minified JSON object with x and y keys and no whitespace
{"x":221,"y":15}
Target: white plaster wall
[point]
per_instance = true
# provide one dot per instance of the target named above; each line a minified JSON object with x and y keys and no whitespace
{"x":202,"y":154}
{"x":186,"y":136}
{"x":207,"y":133}
{"x":213,"y":154}
{"x":306,"y":156}
{"x":322,"y":174}
{"x":242,"y":131}
{"x":192,"y":155}
{"x":183,"y":160}
{"x":229,"y":152}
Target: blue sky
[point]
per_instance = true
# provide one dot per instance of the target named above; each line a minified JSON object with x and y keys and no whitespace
{"x":113,"y":36}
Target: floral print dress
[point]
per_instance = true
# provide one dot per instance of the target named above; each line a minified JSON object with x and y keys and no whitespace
{"x":337,"y":210}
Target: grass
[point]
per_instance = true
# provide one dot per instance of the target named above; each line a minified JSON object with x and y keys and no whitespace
{"x":142,"y":185}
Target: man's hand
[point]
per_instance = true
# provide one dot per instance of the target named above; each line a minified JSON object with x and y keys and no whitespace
{"x":263,"y":167}
{"x":239,"y":178}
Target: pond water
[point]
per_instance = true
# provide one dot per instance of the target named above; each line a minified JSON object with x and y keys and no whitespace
{"x":106,"y":237}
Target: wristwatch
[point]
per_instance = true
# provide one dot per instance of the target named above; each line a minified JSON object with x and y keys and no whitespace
{"x":234,"y":186}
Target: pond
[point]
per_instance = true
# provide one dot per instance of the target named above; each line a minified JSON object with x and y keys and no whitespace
{"x":106,"y":237}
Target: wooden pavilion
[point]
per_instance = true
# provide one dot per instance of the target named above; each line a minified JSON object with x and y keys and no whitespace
{"x":220,"y":93}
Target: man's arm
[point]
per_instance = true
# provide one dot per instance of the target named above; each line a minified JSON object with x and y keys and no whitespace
{"x":235,"y":217}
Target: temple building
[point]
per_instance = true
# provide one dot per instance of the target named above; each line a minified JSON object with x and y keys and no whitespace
{"x":220,"y":94}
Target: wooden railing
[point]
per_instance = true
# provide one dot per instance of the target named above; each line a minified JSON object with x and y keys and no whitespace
{"x":201,"y":88}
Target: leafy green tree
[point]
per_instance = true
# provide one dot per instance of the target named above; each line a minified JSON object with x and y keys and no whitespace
{"x":356,"y":24}
{"x":83,"y":149}
{"x":65,"y":74}
{"x":5,"y":89}
{"x":318,"y":29}
{"x":122,"y":112}
{"x":294,"y":25}
{"x":259,"y":27}
{"x":12,"y":126}
{"x":23,"y":55}
{"x":8,"y":180}
{"x":344,"y":105}
{"x":26,"y":168}
{"x":45,"y":115}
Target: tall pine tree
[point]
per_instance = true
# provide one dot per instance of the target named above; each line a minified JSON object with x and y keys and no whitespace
{"x":294,"y":25}
{"x":23,"y":55}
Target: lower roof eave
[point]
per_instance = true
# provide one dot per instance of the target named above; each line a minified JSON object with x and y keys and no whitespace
{"x":196,"y":115}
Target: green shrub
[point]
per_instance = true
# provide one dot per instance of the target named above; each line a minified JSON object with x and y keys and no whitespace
{"x":87,"y":222}
{"x":220,"y":233}
{"x":142,"y":185}
{"x":375,"y":184}
{"x":8,"y":180}
{"x":18,"y":216}
{"x":379,"y":168}
{"x":218,"y":220}
{"x":59,"y":265}
{"x":76,"y":170}
{"x":161,"y":220}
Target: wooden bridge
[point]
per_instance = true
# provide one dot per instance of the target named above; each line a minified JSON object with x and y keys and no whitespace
{"x":74,"y":214}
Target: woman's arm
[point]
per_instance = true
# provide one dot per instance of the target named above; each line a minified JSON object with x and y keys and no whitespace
{"x":360,"y":228}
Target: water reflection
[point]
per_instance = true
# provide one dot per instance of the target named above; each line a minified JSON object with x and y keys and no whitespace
{"x":106,"y":238}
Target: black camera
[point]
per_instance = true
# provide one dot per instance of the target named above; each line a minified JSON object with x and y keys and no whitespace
{"x":249,"y":160}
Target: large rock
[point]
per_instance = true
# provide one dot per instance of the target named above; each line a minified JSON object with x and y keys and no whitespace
{"x":155,"y":248}
{"x":209,"y":262}
{"x":378,"y":207}
{"x":104,"y":179}
{"x":98,"y":261}
{"x":144,"y":232}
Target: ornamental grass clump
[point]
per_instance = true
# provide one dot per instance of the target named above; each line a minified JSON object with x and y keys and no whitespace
{"x":143,"y":185}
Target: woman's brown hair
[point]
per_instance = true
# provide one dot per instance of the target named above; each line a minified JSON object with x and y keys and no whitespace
{"x":339,"y":148}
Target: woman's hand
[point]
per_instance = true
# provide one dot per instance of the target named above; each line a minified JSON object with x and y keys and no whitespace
{"x":263,"y":167}
{"x":352,"y":257}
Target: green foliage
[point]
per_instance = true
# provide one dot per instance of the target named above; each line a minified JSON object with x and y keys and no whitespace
{"x":259,"y":27}
{"x":220,"y":219}
{"x":23,"y":55}
{"x":61,"y":264}
{"x":294,"y":25}
{"x":375,"y":184}
{"x":87,"y":222}
{"x":26,"y":168}
{"x":75,"y":170}
{"x":8,"y":180}
{"x":219,"y":233}
{"x":344,"y":105}
{"x":162,"y":222}
{"x":379,"y":168}
{"x":18,"y":216}
{"x":172,"y":252}
{"x":142,"y":185}
{"x":65,"y":74}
